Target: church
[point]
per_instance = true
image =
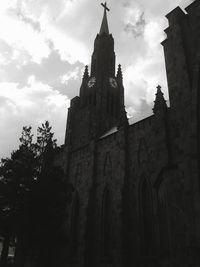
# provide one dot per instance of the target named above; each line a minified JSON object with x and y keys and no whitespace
{"x":136,"y":199}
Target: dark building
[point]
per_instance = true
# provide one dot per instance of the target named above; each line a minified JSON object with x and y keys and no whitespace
{"x":136,"y":200}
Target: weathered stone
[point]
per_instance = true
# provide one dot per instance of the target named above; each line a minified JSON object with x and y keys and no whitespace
{"x":138,"y":185}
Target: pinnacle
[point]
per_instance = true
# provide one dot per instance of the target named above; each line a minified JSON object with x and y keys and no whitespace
{"x":119,"y":72}
{"x":160,"y":102}
{"x":86,"y":74}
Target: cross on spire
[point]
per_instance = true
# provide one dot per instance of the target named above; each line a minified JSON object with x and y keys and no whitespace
{"x":105,"y":6}
{"x":104,"y":25}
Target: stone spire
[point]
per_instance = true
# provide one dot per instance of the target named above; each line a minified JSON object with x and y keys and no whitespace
{"x":104,"y":24}
{"x":160,"y":102}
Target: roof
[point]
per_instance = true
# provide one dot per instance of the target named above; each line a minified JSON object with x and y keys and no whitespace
{"x":131,"y":121}
{"x":111,"y":131}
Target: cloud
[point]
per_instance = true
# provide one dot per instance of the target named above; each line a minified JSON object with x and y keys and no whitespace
{"x":143,"y":111}
{"x":49,"y":71}
{"x":157,"y":8}
{"x":136,"y":28}
{"x":46,"y":44}
{"x":41,"y":8}
{"x":22,"y":36}
{"x":32,"y":104}
{"x":31,"y":93}
{"x":36,"y":81}
{"x":34,"y":24}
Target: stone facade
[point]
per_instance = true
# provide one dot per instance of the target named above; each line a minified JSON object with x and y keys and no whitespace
{"x":136,"y":199}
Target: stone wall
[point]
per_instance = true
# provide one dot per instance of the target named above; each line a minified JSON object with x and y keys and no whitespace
{"x":137,"y":189}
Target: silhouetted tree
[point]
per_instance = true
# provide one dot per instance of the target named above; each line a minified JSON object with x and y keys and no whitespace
{"x":17,"y":174}
{"x":33,"y":196}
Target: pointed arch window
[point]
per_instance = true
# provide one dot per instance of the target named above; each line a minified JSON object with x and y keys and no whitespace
{"x":74,"y":228}
{"x":146,"y":210}
{"x":112,"y":105}
{"x":108,"y":102}
{"x":95,"y":98}
{"x":163,"y":223}
{"x":107,"y":170}
{"x":106,"y":224}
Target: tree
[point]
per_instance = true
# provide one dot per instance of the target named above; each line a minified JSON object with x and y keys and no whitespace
{"x":33,"y":193}
{"x":44,"y":136}
{"x":17,"y":175}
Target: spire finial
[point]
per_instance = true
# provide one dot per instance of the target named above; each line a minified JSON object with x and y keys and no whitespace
{"x":104,"y":24}
{"x":105,"y":7}
{"x":159,"y":88}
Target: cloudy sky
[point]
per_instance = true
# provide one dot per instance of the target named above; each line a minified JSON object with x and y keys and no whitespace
{"x":44,"y":45}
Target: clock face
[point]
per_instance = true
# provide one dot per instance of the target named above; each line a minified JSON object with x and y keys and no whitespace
{"x":113,"y":82}
{"x":91,"y":82}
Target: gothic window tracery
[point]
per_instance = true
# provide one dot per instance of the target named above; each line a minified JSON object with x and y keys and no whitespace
{"x":146,"y":212}
{"x":74,"y":227}
{"x":78,"y":174}
{"x":106,"y":224}
{"x":163,"y":223}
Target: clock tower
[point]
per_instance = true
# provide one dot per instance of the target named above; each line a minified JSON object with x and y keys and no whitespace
{"x":100,"y":104}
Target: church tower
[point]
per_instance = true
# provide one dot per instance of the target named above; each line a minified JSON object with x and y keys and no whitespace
{"x":100,"y":104}
{"x":136,"y":185}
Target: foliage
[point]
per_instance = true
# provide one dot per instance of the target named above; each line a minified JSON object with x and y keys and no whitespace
{"x":33,"y":193}
{"x":43,"y":137}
